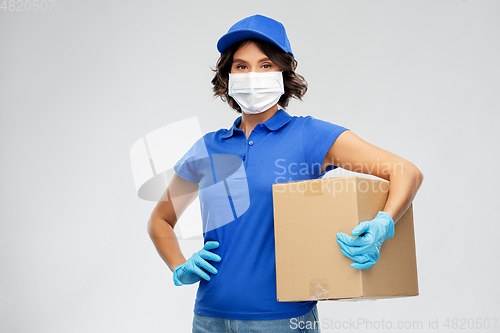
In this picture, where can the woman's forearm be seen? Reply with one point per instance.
(404, 184)
(165, 241)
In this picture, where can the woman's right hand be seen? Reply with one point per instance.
(190, 272)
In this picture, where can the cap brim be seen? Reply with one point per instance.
(235, 36)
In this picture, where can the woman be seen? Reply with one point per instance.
(232, 170)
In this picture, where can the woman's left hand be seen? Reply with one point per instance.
(364, 250)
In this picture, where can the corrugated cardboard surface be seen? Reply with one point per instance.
(309, 264)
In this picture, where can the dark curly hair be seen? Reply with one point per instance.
(295, 84)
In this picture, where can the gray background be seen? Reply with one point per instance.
(79, 84)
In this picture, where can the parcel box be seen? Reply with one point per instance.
(309, 265)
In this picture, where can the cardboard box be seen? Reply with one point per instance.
(309, 264)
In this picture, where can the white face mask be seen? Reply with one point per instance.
(256, 92)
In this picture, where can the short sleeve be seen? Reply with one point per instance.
(318, 136)
(188, 167)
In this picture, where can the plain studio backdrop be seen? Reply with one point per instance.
(81, 81)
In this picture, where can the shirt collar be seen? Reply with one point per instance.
(278, 120)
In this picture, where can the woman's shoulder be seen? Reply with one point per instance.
(304, 117)
(312, 124)
(216, 136)
(309, 119)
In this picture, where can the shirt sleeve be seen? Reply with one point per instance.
(188, 167)
(318, 136)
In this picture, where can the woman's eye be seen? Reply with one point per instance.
(244, 67)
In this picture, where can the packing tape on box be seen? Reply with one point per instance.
(318, 288)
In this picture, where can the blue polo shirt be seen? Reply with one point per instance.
(235, 177)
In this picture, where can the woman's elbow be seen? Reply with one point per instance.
(418, 176)
(409, 171)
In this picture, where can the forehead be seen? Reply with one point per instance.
(248, 50)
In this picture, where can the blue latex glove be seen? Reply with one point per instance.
(190, 271)
(365, 249)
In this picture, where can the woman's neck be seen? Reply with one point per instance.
(249, 121)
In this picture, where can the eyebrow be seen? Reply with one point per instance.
(243, 61)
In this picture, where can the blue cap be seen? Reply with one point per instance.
(259, 27)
